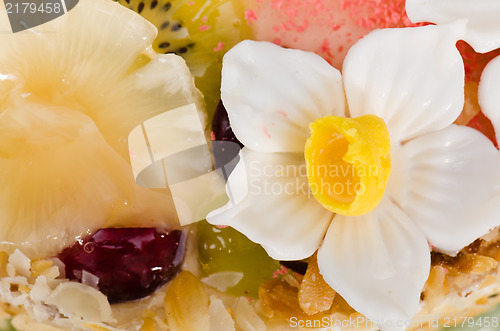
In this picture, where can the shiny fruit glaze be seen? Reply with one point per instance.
(225, 145)
(221, 128)
(128, 263)
(225, 249)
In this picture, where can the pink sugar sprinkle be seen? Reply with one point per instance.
(191, 3)
(335, 26)
(325, 46)
(204, 19)
(277, 41)
(221, 226)
(291, 12)
(212, 136)
(325, 49)
(267, 133)
(250, 16)
(132, 154)
(282, 113)
(204, 27)
(278, 4)
(220, 47)
(378, 13)
(281, 271)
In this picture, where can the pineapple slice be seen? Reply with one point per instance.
(70, 92)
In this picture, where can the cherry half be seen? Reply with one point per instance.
(225, 145)
(129, 263)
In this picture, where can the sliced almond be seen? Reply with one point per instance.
(220, 319)
(76, 299)
(21, 263)
(246, 317)
(186, 304)
(40, 267)
(223, 280)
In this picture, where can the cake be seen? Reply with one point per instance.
(353, 183)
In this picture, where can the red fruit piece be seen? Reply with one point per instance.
(130, 263)
(221, 128)
(483, 124)
(225, 145)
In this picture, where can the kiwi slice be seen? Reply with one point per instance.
(200, 31)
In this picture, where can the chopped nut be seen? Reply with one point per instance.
(436, 285)
(223, 280)
(220, 319)
(282, 298)
(76, 299)
(39, 267)
(263, 309)
(246, 317)
(20, 264)
(465, 263)
(315, 295)
(479, 264)
(186, 304)
(148, 318)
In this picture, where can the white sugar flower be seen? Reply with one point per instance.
(482, 33)
(389, 172)
(483, 26)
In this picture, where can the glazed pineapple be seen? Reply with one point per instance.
(66, 111)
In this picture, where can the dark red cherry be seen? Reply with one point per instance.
(225, 145)
(221, 128)
(129, 263)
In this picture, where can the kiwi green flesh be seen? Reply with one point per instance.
(173, 37)
(179, 32)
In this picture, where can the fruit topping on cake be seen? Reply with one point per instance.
(355, 194)
(403, 90)
(66, 112)
(326, 27)
(125, 263)
(199, 31)
(231, 262)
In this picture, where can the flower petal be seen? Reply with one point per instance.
(377, 262)
(483, 27)
(272, 94)
(271, 204)
(488, 95)
(413, 78)
(447, 182)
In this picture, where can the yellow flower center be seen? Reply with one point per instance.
(348, 163)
